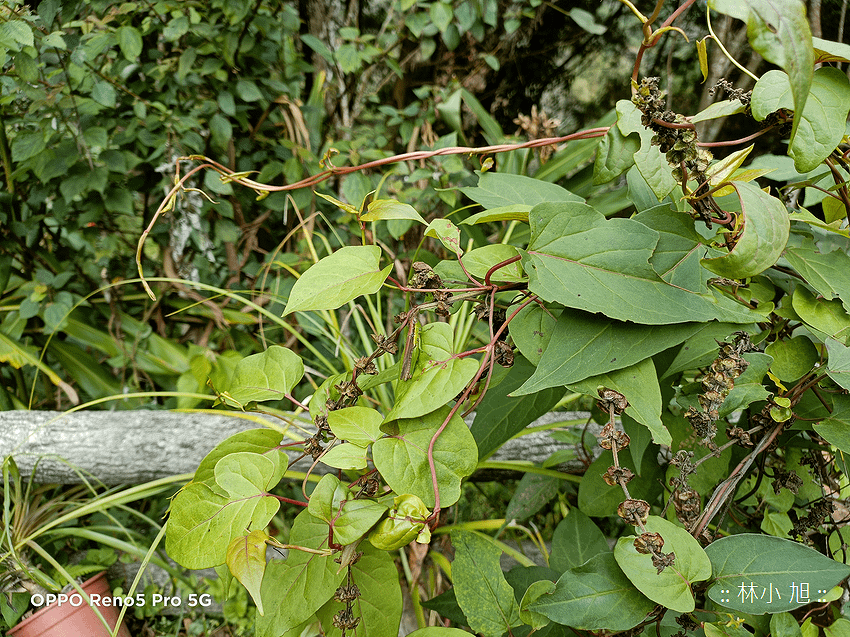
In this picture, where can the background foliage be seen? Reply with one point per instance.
(580, 271)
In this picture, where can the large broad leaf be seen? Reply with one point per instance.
(828, 273)
(531, 329)
(437, 376)
(482, 591)
(349, 518)
(585, 345)
(821, 123)
(756, 574)
(532, 493)
(779, 31)
(792, 358)
(379, 606)
(500, 415)
(594, 596)
(269, 375)
(295, 588)
(639, 384)
(677, 254)
(582, 260)
(340, 277)
(765, 233)
(205, 519)
(402, 458)
(496, 190)
(673, 586)
(575, 541)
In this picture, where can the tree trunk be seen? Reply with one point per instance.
(132, 447)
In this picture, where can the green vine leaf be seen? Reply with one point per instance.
(531, 330)
(498, 190)
(359, 425)
(836, 428)
(480, 260)
(821, 121)
(501, 415)
(338, 278)
(649, 160)
(532, 594)
(205, 518)
(764, 236)
(437, 376)
(615, 155)
(346, 456)
(402, 458)
(826, 317)
(268, 375)
(673, 586)
(246, 559)
(385, 209)
(756, 574)
(779, 31)
(828, 273)
(792, 358)
(295, 588)
(594, 596)
(262, 441)
(380, 603)
(580, 259)
(639, 384)
(447, 233)
(575, 541)
(482, 591)
(838, 364)
(349, 518)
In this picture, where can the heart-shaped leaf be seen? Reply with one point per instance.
(402, 458)
(673, 586)
(338, 278)
(268, 375)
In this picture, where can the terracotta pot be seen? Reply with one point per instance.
(74, 616)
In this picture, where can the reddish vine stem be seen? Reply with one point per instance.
(484, 362)
(499, 266)
(734, 142)
(288, 500)
(661, 122)
(326, 174)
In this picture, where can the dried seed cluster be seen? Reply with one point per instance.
(718, 382)
(686, 501)
(678, 144)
